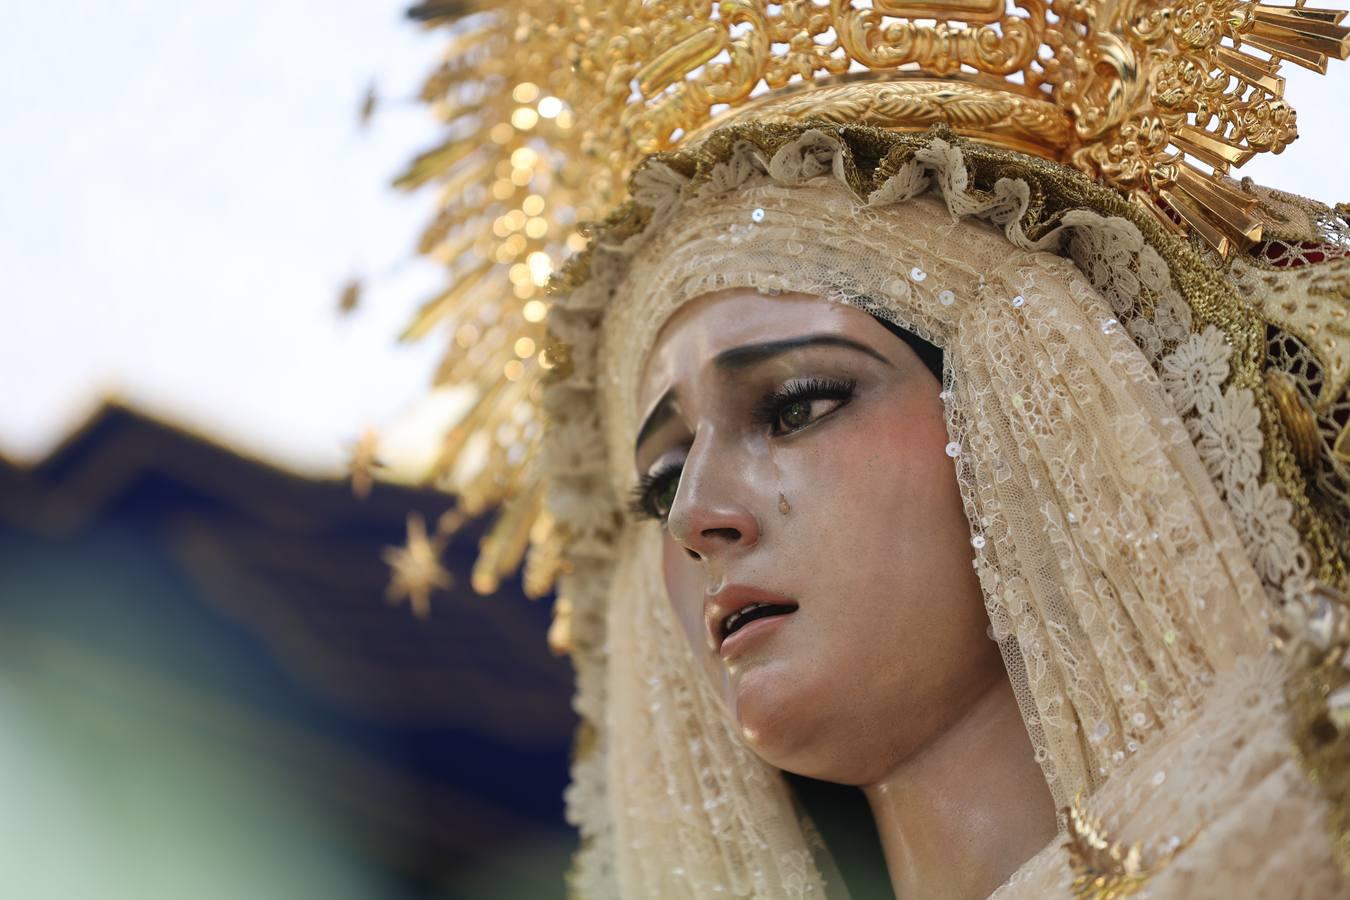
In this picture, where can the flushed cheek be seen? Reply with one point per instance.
(877, 529)
(874, 479)
(879, 554)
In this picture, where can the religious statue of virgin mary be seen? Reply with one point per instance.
(923, 408)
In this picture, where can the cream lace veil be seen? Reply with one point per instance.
(1108, 445)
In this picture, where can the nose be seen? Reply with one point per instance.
(712, 515)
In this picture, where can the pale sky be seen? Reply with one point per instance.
(184, 190)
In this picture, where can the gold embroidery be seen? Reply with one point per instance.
(1296, 417)
(1315, 632)
(1104, 869)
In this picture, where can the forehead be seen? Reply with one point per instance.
(704, 327)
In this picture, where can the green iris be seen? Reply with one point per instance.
(794, 415)
(664, 498)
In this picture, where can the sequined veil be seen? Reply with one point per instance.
(1112, 478)
(1145, 389)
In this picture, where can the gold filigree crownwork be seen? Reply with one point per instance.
(550, 106)
(1153, 90)
(1017, 121)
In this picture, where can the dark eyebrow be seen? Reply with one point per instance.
(743, 357)
(749, 354)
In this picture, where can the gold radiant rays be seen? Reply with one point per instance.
(548, 106)
(1300, 34)
(1235, 111)
(1219, 213)
(511, 188)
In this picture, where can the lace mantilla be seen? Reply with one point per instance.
(1217, 806)
(1128, 481)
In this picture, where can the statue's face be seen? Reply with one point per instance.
(798, 454)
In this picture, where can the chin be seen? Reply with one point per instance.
(804, 723)
(789, 721)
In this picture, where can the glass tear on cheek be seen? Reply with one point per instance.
(783, 506)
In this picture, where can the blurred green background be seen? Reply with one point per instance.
(202, 693)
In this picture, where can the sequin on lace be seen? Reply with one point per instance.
(1079, 601)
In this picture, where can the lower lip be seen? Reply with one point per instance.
(747, 636)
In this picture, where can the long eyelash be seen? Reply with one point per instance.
(642, 503)
(767, 410)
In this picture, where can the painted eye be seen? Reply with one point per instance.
(654, 494)
(794, 415)
(663, 498)
(799, 404)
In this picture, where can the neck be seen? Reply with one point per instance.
(957, 819)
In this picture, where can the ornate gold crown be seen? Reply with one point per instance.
(549, 105)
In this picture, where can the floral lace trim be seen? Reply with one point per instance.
(1220, 797)
(1217, 409)
(1225, 424)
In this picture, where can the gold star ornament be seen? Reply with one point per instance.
(417, 568)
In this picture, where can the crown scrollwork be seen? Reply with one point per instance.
(1163, 99)
(549, 105)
